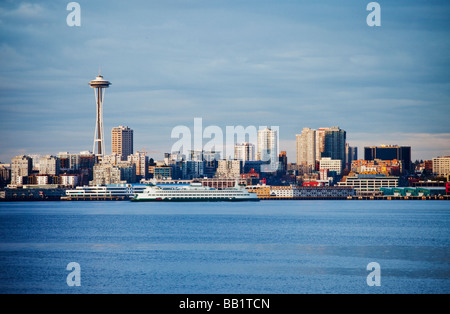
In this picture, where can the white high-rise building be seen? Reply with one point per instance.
(306, 147)
(267, 149)
(244, 152)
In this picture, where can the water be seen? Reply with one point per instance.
(280, 247)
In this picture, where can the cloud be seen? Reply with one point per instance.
(293, 64)
(24, 11)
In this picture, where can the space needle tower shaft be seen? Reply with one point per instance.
(99, 84)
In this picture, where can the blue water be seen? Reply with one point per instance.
(280, 247)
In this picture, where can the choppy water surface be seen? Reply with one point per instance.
(266, 247)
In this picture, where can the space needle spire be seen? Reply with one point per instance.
(99, 84)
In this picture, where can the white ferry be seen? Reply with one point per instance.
(194, 192)
(106, 191)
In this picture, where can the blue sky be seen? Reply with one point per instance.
(291, 64)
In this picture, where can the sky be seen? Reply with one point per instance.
(286, 63)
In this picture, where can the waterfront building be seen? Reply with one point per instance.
(369, 183)
(222, 183)
(441, 166)
(292, 192)
(390, 152)
(122, 141)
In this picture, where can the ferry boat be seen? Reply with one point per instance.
(193, 192)
(110, 191)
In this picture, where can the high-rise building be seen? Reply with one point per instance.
(244, 152)
(326, 163)
(267, 149)
(122, 141)
(140, 160)
(441, 166)
(49, 165)
(306, 147)
(282, 162)
(351, 154)
(313, 145)
(105, 173)
(330, 142)
(5, 174)
(390, 152)
(229, 169)
(21, 167)
(192, 169)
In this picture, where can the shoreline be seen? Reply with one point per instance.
(271, 198)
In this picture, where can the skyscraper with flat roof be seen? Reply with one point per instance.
(306, 147)
(267, 149)
(313, 145)
(21, 167)
(390, 152)
(122, 141)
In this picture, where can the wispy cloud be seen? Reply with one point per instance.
(293, 64)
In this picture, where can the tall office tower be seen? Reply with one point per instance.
(122, 141)
(351, 154)
(330, 142)
(306, 147)
(283, 162)
(21, 166)
(313, 145)
(99, 84)
(244, 152)
(49, 165)
(267, 149)
(390, 152)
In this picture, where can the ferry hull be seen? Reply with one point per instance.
(195, 200)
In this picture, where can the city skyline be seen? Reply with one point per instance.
(295, 65)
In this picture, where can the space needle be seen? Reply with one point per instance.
(99, 142)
